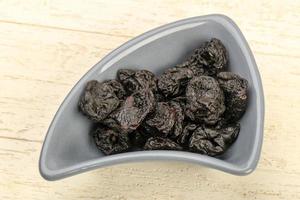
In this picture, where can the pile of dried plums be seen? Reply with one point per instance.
(193, 106)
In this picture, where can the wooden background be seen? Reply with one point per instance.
(47, 45)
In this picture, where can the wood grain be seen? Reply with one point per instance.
(46, 46)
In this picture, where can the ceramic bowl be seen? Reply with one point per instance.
(69, 149)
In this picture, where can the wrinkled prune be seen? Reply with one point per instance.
(162, 120)
(159, 143)
(110, 141)
(179, 118)
(205, 100)
(117, 88)
(194, 69)
(174, 80)
(134, 80)
(212, 142)
(100, 99)
(192, 106)
(211, 56)
(182, 101)
(165, 121)
(188, 130)
(235, 91)
(132, 112)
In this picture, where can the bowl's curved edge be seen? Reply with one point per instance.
(255, 155)
(51, 175)
(158, 155)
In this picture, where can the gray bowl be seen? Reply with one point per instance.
(68, 148)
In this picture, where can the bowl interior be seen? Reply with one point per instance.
(70, 142)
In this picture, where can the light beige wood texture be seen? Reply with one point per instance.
(46, 46)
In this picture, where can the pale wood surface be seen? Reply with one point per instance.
(46, 46)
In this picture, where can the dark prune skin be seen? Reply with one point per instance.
(117, 88)
(173, 81)
(181, 100)
(132, 112)
(205, 100)
(100, 99)
(188, 130)
(179, 118)
(197, 70)
(134, 80)
(161, 121)
(235, 91)
(110, 141)
(212, 56)
(211, 141)
(159, 143)
(165, 121)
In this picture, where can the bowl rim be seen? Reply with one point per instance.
(244, 169)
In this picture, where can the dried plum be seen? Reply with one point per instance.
(132, 112)
(192, 106)
(179, 118)
(165, 121)
(182, 101)
(194, 69)
(205, 100)
(211, 141)
(235, 91)
(134, 80)
(188, 130)
(162, 120)
(212, 56)
(100, 99)
(159, 143)
(117, 88)
(110, 141)
(174, 80)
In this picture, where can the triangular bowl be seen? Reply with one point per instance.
(68, 148)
